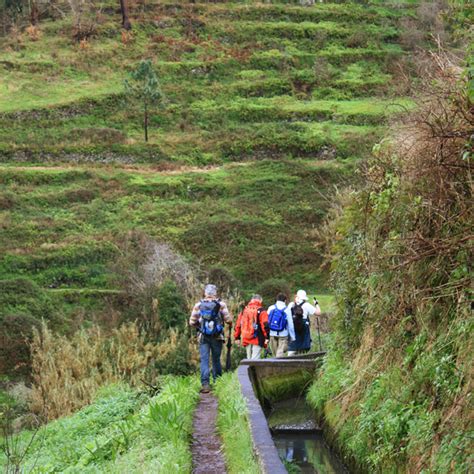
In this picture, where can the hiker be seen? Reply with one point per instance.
(209, 316)
(301, 311)
(281, 327)
(252, 327)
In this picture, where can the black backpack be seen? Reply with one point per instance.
(298, 320)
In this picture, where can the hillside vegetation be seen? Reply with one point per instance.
(396, 388)
(259, 168)
(268, 108)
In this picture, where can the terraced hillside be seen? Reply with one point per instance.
(241, 80)
(269, 106)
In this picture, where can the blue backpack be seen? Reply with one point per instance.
(211, 321)
(277, 319)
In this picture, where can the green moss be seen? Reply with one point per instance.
(290, 412)
(280, 387)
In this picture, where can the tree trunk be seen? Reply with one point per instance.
(125, 20)
(34, 13)
(146, 123)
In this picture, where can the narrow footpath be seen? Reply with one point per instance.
(207, 446)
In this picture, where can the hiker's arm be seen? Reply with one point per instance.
(226, 316)
(194, 319)
(291, 326)
(315, 310)
(237, 329)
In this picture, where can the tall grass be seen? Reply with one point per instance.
(68, 372)
(121, 431)
(233, 425)
(163, 431)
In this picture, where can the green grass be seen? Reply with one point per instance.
(120, 432)
(60, 224)
(57, 98)
(279, 101)
(27, 92)
(233, 425)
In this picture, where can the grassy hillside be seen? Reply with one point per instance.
(240, 79)
(269, 107)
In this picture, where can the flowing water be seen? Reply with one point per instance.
(308, 452)
(299, 441)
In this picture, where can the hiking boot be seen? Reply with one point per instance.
(205, 389)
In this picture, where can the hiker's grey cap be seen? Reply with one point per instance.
(210, 290)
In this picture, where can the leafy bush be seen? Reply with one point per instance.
(172, 306)
(270, 288)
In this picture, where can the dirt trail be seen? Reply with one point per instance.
(142, 169)
(206, 446)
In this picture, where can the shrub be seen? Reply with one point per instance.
(177, 354)
(68, 372)
(172, 307)
(270, 288)
(15, 332)
(22, 305)
(154, 278)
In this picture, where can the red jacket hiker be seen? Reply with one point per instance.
(252, 324)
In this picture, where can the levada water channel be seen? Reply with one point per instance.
(280, 386)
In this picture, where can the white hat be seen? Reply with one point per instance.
(301, 295)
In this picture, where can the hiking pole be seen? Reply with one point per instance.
(315, 301)
(228, 360)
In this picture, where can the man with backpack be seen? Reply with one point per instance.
(301, 311)
(209, 317)
(281, 327)
(252, 327)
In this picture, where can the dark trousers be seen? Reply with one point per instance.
(210, 346)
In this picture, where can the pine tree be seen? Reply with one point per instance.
(143, 86)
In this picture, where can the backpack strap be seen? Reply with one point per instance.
(260, 333)
(217, 308)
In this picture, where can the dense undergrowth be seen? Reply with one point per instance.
(121, 431)
(396, 387)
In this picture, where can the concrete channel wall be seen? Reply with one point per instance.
(265, 450)
(264, 447)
